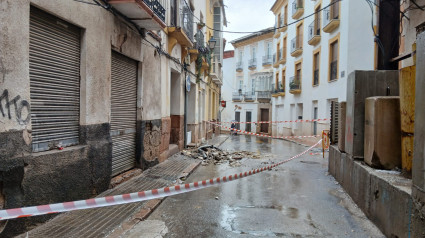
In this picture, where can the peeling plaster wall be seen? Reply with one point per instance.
(82, 171)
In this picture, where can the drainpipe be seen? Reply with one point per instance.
(185, 106)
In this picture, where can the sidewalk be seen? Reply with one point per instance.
(116, 220)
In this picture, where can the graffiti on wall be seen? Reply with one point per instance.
(21, 108)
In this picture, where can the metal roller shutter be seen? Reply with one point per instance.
(54, 58)
(123, 113)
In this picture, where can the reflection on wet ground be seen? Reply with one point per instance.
(292, 200)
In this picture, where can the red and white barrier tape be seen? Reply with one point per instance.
(272, 122)
(262, 135)
(132, 197)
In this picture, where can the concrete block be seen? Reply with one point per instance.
(341, 125)
(338, 173)
(347, 177)
(382, 142)
(361, 85)
(390, 208)
(360, 186)
(343, 157)
(331, 163)
(418, 169)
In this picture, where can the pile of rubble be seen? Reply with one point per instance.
(213, 155)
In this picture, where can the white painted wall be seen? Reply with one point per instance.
(232, 78)
(355, 53)
(227, 88)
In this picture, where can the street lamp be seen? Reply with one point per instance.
(211, 43)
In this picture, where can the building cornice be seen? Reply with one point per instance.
(252, 40)
(277, 6)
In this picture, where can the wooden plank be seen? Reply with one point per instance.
(407, 110)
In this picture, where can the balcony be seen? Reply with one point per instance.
(333, 70)
(331, 18)
(249, 96)
(280, 90)
(239, 66)
(252, 64)
(275, 61)
(316, 77)
(182, 32)
(295, 85)
(282, 25)
(282, 55)
(264, 95)
(148, 14)
(274, 91)
(267, 60)
(296, 46)
(314, 32)
(297, 9)
(237, 96)
(216, 72)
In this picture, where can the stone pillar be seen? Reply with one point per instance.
(418, 169)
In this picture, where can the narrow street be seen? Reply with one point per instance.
(298, 199)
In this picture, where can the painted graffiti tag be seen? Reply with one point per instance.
(19, 105)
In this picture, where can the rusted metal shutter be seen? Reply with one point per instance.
(54, 58)
(334, 122)
(123, 113)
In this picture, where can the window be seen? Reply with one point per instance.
(317, 20)
(252, 86)
(333, 59)
(282, 83)
(298, 71)
(240, 55)
(285, 15)
(335, 9)
(276, 81)
(254, 53)
(279, 17)
(278, 52)
(217, 34)
(284, 47)
(316, 67)
(299, 42)
(269, 49)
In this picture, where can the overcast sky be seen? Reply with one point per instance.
(247, 15)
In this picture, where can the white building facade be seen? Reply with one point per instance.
(313, 58)
(249, 80)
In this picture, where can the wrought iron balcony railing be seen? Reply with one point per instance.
(314, 29)
(334, 70)
(236, 96)
(252, 63)
(295, 83)
(316, 77)
(249, 96)
(296, 44)
(187, 19)
(331, 13)
(296, 4)
(239, 66)
(267, 59)
(264, 95)
(157, 8)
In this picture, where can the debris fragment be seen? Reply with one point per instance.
(213, 155)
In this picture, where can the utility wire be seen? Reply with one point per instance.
(262, 31)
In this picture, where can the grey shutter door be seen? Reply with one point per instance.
(54, 58)
(123, 113)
